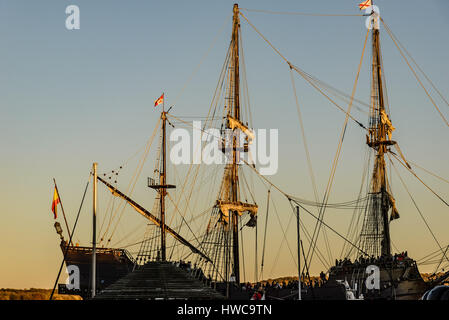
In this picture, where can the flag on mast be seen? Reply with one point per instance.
(365, 5)
(55, 203)
(159, 100)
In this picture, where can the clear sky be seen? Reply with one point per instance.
(68, 98)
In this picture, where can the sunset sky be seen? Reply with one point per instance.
(69, 98)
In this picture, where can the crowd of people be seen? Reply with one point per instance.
(383, 260)
(194, 271)
(260, 290)
(283, 289)
(254, 291)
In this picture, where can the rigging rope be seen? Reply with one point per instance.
(201, 61)
(284, 238)
(185, 222)
(353, 226)
(330, 228)
(265, 233)
(414, 72)
(303, 13)
(301, 72)
(412, 172)
(420, 69)
(132, 185)
(299, 204)
(416, 206)
(309, 162)
(429, 172)
(311, 250)
(70, 240)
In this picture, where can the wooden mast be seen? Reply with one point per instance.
(379, 140)
(162, 189)
(162, 186)
(235, 176)
(386, 245)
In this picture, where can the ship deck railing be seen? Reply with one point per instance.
(114, 251)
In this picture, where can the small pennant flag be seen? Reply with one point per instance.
(55, 203)
(365, 5)
(159, 100)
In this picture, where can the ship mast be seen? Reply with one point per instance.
(163, 186)
(226, 216)
(376, 230)
(163, 191)
(383, 142)
(235, 176)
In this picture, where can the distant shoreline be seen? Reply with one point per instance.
(33, 294)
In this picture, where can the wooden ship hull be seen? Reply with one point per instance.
(399, 281)
(112, 264)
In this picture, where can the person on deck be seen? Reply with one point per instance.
(258, 295)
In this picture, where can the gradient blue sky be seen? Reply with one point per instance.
(68, 98)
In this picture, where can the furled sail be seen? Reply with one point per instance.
(394, 211)
(234, 123)
(387, 122)
(226, 207)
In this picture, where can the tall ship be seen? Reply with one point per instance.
(376, 271)
(199, 223)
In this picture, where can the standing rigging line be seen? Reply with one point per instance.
(70, 240)
(290, 198)
(336, 158)
(412, 172)
(429, 172)
(131, 185)
(201, 61)
(309, 162)
(417, 208)
(311, 80)
(352, 228)
(63, 212)
(303, 13)
(266, 40)
(284, 239)
(126, 236)
(306, 148)
(420, 69)
(243, 251)
(329, 227)
(185, 222)
(304, 230)
(303, 74)
(441, 260)
(414, 72)
(430, 256)
(320, 255)
(265, 233)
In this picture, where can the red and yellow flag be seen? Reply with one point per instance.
(55, 203)
(159, 100)
(365, 5)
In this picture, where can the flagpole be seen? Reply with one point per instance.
(63, 213)
(66, 247)
(94, 226)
